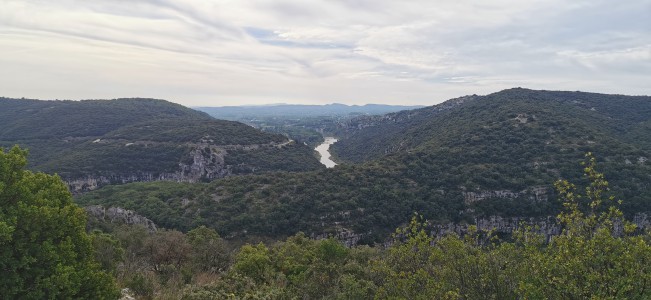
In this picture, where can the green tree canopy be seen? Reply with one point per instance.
(45, 252)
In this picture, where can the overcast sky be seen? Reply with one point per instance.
(231, 52)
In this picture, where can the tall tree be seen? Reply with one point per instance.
(45, 252)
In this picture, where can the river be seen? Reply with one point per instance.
(325, 155)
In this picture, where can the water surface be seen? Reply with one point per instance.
(325, 155)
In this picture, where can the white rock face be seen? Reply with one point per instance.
(126, 294)
(120, 216)
(205, 162)
(535, 193)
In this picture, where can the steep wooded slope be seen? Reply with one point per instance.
(97, 142)
(570, 119)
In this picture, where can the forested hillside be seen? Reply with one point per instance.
(97, 142)
(516, 120)
(147, 262)
(464, 160)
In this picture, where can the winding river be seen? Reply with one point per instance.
(325, 155)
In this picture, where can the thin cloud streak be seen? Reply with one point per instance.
(223, 52)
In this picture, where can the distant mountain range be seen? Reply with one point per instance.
(97, 142)
(294, 110)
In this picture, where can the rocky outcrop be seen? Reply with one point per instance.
(126, 294)
(89, 183)
(205, 161)
(548, 227)
(642, 221)
(535, 193)
(118, 215)
(347, 237)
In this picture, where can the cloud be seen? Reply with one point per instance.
(219, 52)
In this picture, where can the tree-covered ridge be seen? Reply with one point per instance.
(214, 132)
(568, 120)
(159, 146)
(368, 200)
(36, 119)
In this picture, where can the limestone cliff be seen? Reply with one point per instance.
(204, 161)
(535, 193)
(118, 215)
(546, 226)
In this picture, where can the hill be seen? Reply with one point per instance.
(243, 113)
(567, 120)
(97, 142)
(476, 159)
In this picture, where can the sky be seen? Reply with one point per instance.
(245, 52)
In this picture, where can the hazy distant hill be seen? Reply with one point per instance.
(97, 142)
(467, 160)
(238, 113)
(303, 123)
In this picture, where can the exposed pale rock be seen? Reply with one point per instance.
(535, 193)
(120, 216)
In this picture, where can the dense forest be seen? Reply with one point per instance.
(200, 264)
(460, 161)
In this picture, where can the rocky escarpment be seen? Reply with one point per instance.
(547, 227)
(118, 215)
(347, 237)
(535, 193)
(204, 162)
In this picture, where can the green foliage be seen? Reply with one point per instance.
(135, 139)
(447, 152)
(595, 257)
(209, 252)
(253, 262)
(215, 132)
(108, 251)
(293, 157)
(296, 268)
(34, 119)
(44, 249)
(141, 284)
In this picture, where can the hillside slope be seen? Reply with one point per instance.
(97, 142)
(469, 160)
(565, 119)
